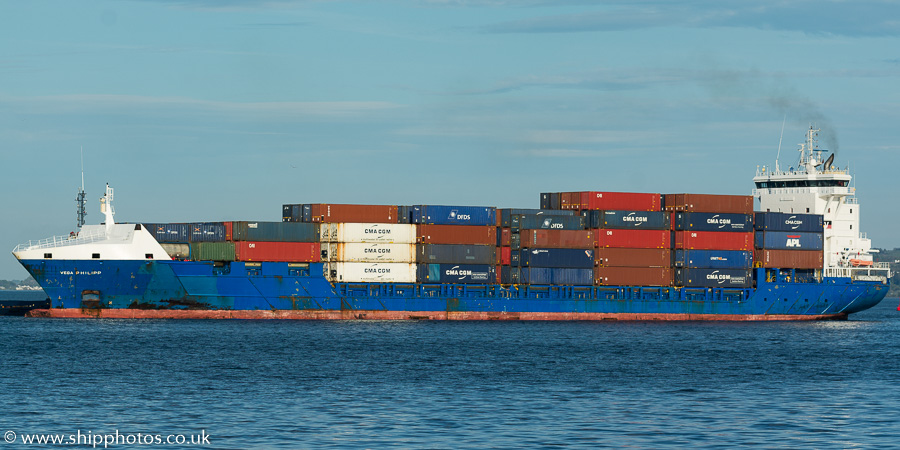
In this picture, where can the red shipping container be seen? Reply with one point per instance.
(335, 213)
(632, 238)
(628, 201)
(229, 230)
(731, 204)
(712, 240)
(557, 238)
(505, 256)
(633, 276)
(456, 234)
(277, 251)
(570, 200)
(789, 259)
(498, 275)
(505, 237)
(633, 257)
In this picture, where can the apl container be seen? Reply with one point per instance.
(169, 232)
(386, 233)
(633, 257)
(554, 257)
(789, 240)
(789, 259)
(633, 276)
(368, 252)
(699, 221)
(212, 251)
(718, 278)
(456, 273)
(275, 231)
(712, 240)
(557, 238)
(713, 259)
(646, 220)
(332, 213)
(632, 238)
(277, 251)
(455, 254)
(356, 272)
(735, 204)
(454, 215)
(456, 234)
(802, 223)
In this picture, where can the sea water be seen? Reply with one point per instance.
(423, 384)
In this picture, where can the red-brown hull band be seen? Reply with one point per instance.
(72, 313)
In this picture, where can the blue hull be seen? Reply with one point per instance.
(202, 286)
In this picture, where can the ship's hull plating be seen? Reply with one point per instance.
(177, 289)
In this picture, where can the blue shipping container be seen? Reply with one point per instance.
(275, 231)
(648, 220)
(456, 273)
(542, 222)
(208, 232)
(701, 221)
(170, 232)
(554, 257)
(550, 200)
(712, 259)
(404, 214)
(507, 213)
(556, 276)
(455, 254)
(723, 278)
(788, 240)
(454, 215)
(776, 221)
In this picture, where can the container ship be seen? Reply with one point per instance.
(587, 255)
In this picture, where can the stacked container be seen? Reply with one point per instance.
(549, 247)
(632, 245)
(368, 252)
(455, 244)
(789, 241)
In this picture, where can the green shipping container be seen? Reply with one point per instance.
(212, 251)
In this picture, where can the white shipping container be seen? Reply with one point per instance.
(357, 272)
(177, 251)
(387, 233)
(368, 252)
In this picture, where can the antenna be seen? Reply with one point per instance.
(80, 200)
(779, 143)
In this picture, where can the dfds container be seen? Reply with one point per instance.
(555, 276)
(454, 215)
(647, 220)
(801, 223)
(277, 251)
(356, 272)
(275, 231)
(712, 240)
(713, 259)
(735, 204)
(456, 273)
(554, 257)
(180, 251)
(633, 257)
(169, 232)
(614, 201)
(789, 240)
(698, 221)
(632, 238)
(456, 234)
(633, 276)
(331, 213)
(557, 238)
(789, 259)
(213, 251)
(208, 232)
(518, 222)
(368, 252)
(455, 254)
(386, 233)
(713, 278)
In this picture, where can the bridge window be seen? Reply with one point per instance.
(95, 255)
(48, 255)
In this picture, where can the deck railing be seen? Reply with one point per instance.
(63, 241)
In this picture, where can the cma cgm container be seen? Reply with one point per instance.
(169, 232)
(647, 220)
(633, 257)
(707, 278)
(555, 276)
(788, 240)
(713, 259)
(712, 240)
(776, 221)
(554, 257)
(700, 221)
(544, 222)
(632, 238)
(358, 272)
(557, 238)
(212, 251)
(735, 204)
(454, 215)
(368, 252)
(633, 276)
(616, 201)
(455, 254)
(789, 259)
(277, 251)
(387, 233)
(274, 231)
(456, 273)
(456, 234)
(329, 213)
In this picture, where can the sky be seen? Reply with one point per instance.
(205, 110)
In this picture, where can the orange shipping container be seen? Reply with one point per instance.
(633, 276)
(732, 204)
(334, 213)
(633, 257)
(556, 238)
(789, 259)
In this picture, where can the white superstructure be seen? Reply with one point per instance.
(815, 186)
